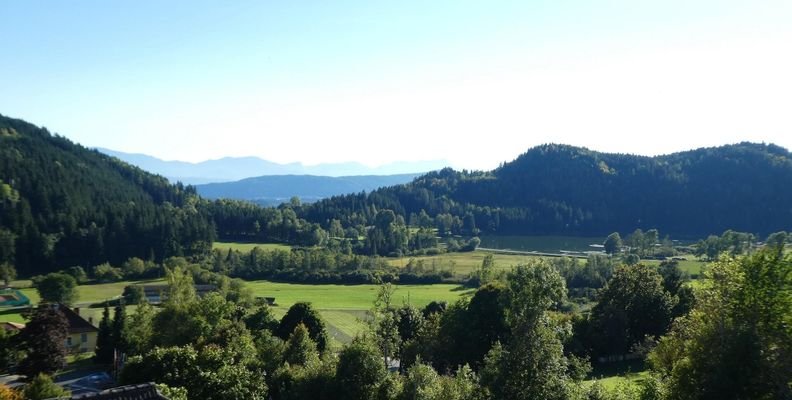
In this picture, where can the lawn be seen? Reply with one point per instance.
(246, 247)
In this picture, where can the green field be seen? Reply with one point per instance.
(245, 247)
(464, 263)
(88, 294)
(344, 307)
(690, 265)
(353, 297)
(543, 244)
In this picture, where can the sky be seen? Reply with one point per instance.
(475, 83)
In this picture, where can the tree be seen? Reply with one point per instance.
(9, 353)
(134, 294)
(133, 268)
(6, 393)
(42, 387)
(140, 329)
(209, 373)
(736, 343)
(360, 370)
(44, 341)
(532, 364)
(632, 305)
(300, 349)
(78, 273)
(613, 243)
(261, 319)
(303, 313)
(777, 239)
(486, 318)
(181, 289)
(104, 339)
(422, 383)
(57, 288)
(385, 324)
(107, 273)
(7, 273)
(119, 328)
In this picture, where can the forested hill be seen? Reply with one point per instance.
(559, 189)
(63, 205)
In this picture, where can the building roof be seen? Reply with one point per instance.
(11, 326)
(76, 323)
(143, 391)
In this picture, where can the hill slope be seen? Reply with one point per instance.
(278, 188)
(558, 189)
(63, 205)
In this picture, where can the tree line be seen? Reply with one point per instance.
(511, 339)
(565, 190)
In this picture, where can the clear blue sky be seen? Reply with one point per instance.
(475, 83)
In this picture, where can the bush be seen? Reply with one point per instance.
(42, 387)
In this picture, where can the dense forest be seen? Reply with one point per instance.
(62, 205)
(565, 190)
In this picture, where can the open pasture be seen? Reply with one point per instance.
(245, 247)
(463, 263)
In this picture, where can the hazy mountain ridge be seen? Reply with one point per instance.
(229, 169)
(274, 188)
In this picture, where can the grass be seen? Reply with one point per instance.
(463, 263)
(545, 244)
(615, 374)
(88, 294)
(690, 265)
(353, 297)
(246, 247)
(345, 307)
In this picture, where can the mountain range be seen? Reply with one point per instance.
(275, 189)
(230, 169)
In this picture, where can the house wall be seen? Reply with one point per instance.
(77, 345)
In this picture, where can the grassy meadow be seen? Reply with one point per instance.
(464, 263)
(246, 247)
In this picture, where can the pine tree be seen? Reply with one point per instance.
(104, 340)
(119, 327)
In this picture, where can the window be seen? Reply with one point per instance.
(84, 338)
(68, 341)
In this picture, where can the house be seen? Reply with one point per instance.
(82, 333)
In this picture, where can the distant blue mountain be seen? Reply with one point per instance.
(230, 169)
(276, 189)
